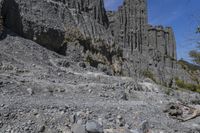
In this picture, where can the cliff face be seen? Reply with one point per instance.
(122, 40)
(130, 27)
(146, 48)
(46, 21)
(94, 7)
(162, 39)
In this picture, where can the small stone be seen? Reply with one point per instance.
(134, 131)
(30, 91)
(62, 90)
(122, 95)
(26, 128)
(119, 117)
(72, 118)
(1, 124)
(94, 127)
(65, 64)
(41, 129)
(90, 90)
(145, 127)
(118, 130)
(59, 74)
(2, 105)
(80, 121)
(35, 112)
(82, 64)
(6, 115)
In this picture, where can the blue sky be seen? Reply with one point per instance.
(182, 15)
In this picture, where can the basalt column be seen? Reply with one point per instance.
(132, 17)
(94, 7)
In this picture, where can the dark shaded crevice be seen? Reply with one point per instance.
(12, 19)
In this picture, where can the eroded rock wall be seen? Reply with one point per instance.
(122, 40)
(131, 20)
(146, 48)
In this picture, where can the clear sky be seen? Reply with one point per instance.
(182, 15)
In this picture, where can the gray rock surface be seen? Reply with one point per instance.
(77, 128)
(96, 69)
(89, 95)
(94, 127)
(123, 40)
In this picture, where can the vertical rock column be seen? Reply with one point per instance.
(94, 7)
(171, 43)
(132, 17)
(161, 40)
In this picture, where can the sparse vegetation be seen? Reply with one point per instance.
(149, 74)
(195, 54)
(188, 66)
(72, 34)
(188, 86)
(193, 70)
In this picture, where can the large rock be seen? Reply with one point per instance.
(94, 127)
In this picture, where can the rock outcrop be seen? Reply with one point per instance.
(46, 21)
(147, 49)
(121, 41)
(163, 40)
(94, 7)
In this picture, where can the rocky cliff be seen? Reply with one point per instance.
(122, 42)
(147, 49)
(68, 66)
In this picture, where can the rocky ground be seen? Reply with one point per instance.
(42, 91)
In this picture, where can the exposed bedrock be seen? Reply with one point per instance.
(122, 40)
(46, 21)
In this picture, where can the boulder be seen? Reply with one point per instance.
(94, 127)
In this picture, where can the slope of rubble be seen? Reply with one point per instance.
(42, 91)
(68, 66)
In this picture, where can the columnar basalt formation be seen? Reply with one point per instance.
(131, 21)
(46, 21)
(162, 39)
(141, 47)
(145, 47)
(94, 7)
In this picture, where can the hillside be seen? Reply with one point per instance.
(68, 66)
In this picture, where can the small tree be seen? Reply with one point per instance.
(195, 54)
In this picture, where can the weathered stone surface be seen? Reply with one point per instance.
(122, 41)
(94, 127)
(94, 7)
(46, 21)
(130, 28)
(162, 39)
(77, 128)
(145, 47)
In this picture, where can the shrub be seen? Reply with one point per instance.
(148, 74)
(72, 34)
(187, 86)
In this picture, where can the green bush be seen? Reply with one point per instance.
(187, 86)
(148, 74)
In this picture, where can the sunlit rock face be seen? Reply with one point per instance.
(144, 47)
